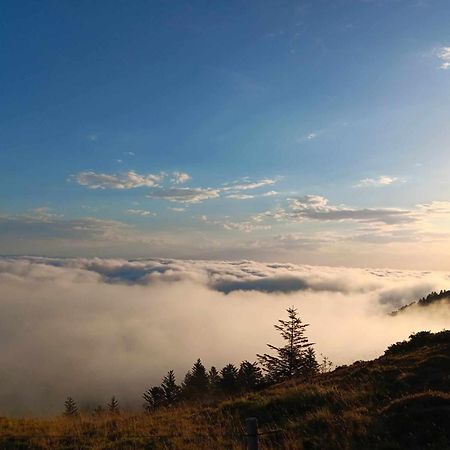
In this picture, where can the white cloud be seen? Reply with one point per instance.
(247, 184)
(178, 209)
(180, 177)
(126, 180)
(443, 54)
(382, 180)
(317, 208)
(269, 194)
(185, 195)
(140, 212)
(240, 196)
(53, 310)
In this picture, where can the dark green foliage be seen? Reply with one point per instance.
(196, 382)
(442, 297)
(170, 388)
(310, 364)
(214, 381)
(417, 340)
(113, 405)
(154, 398)
(70, 407)
(289, 361)
(250, 376)
(229, 379)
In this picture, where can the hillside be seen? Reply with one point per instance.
(441, 298)
(400, 400)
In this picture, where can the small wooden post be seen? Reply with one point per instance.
(251, 426)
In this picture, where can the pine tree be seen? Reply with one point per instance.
(170, 388)
(229, 379)
(154, 398)
(196, 382)
(214, 381)
(113, 405)
(249, 376)
(310, 365)
(70, 407)
(289, 360)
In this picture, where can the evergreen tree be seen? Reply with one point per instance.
(170, 388)
(289, 360)
(214, 381)
(70, 407)
(249, 376)
(310, 365)
(154, 398)
(229, 379)
(196, 382)
(113, 405)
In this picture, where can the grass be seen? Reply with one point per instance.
(400, 400)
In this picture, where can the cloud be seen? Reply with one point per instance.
(126, 180)
(247, 184)
(382, 180)
(185, 195)
(114, 327)
(317, 208)
(240, 196)
(180, 177)
(140, 212)
(443, 53)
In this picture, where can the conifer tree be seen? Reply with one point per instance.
(289, 359)
(70, 407)
(113, 405)
(229, 379)
(196, 382)
(170, 388)
(249, 376)
(310, 365)
(214, 380)
(154, 398)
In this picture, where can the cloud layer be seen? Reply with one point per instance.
(112, 326)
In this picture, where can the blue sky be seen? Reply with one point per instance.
(312, 132)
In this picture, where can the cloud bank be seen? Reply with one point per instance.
(92, 328)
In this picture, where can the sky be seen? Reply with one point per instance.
(310, 132)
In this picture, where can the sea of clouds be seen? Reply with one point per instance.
(93, 328)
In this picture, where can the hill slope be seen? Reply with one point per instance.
(400, 400)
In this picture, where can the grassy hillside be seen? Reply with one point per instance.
(400, 400)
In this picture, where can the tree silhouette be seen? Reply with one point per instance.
(229, 379)
(154, 398)
(249, 376)
(289, 361)
(70, 407)
(170, 388)
(196, 382)
(214, 381)
(113, 405)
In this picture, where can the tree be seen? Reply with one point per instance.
(154, 398)
(113, 405)
(289, 360)
(70, 407)
(170, 388)
(214, 380)
(229, 379)
(250, 376)
(196, 382)
(310, 365)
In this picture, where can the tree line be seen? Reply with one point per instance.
(295, 359)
